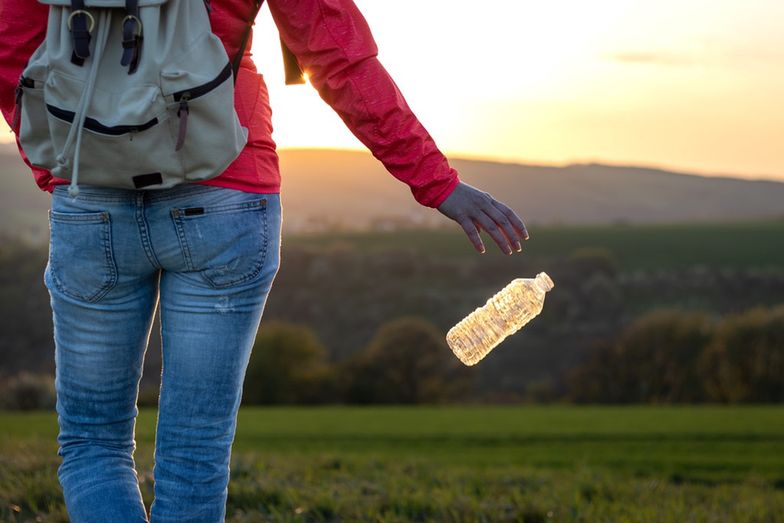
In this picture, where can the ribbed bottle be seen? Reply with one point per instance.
(503, 315)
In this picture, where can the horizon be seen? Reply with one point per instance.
(461, 156)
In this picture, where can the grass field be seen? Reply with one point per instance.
(659, 247)
(460, 464)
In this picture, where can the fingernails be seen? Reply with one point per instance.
(518, 247)
(482, 250)
(526, 235)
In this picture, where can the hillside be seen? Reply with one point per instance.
(330, 190)
(354, 187)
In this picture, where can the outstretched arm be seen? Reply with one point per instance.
(334, 45)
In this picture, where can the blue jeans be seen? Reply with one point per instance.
(210, 255)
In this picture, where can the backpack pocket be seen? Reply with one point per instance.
(125, 134)
(31, 122)
(203, 123)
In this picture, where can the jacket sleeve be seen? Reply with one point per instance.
(334, 46)
(22, 29)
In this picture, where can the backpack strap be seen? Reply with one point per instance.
(294, 73)
(235, 66)
(81, 24)
(132, 36)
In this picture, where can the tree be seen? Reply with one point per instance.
(407, 361)
(288, 365)
(745, 362)
(655, 360)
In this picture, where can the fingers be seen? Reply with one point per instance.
(475, 210)
(495, 232)
(512, 235)
(513, 218)
(473, 234)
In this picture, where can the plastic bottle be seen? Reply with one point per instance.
(503, 315)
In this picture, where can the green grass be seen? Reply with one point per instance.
(659, 247)
(460, 464)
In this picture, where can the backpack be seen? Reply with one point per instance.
(132, 94)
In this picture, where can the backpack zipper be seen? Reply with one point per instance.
(94, 125)
(182, 114)
(23, 82)
(201, 90)
(186, 95)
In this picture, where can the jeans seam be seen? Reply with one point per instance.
(144, 232)
(186, 253)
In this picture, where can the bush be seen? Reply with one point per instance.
(745, 362)
(27, 391)
(407, 361)
(288, 365)
(655, 360)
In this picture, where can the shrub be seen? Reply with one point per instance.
(288, 365)
(26, 391)
(655, 360)
(745, 362)
(407, 361)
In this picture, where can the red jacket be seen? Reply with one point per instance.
(332, 43)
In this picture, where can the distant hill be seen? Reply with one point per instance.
(354, 187)
(325, 189)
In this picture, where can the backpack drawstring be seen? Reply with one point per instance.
(77, 126)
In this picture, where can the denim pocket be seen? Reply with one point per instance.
(226, 243)
(81, 257)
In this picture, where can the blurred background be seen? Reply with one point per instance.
(647, 163)
(642, 144)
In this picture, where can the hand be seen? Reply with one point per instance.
(474, 209)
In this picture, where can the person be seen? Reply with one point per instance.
(206, 253)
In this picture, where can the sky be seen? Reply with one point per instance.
(694, 85)
(691, 85)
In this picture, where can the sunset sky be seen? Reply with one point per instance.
(693, 85)
(686, 84)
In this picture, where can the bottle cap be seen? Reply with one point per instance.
(544, 281)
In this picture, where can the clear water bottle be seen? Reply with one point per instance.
(503, 315)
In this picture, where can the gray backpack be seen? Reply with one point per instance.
(134, 94)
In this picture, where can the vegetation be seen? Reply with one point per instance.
(745, 362)
(340, 292)
(634, 247)
(287, 365)
(27, 391)
(394, 463)
(408, 362)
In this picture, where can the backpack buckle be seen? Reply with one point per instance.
(80, 24)
(82, 12)
(134, 30)
(132, 41)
